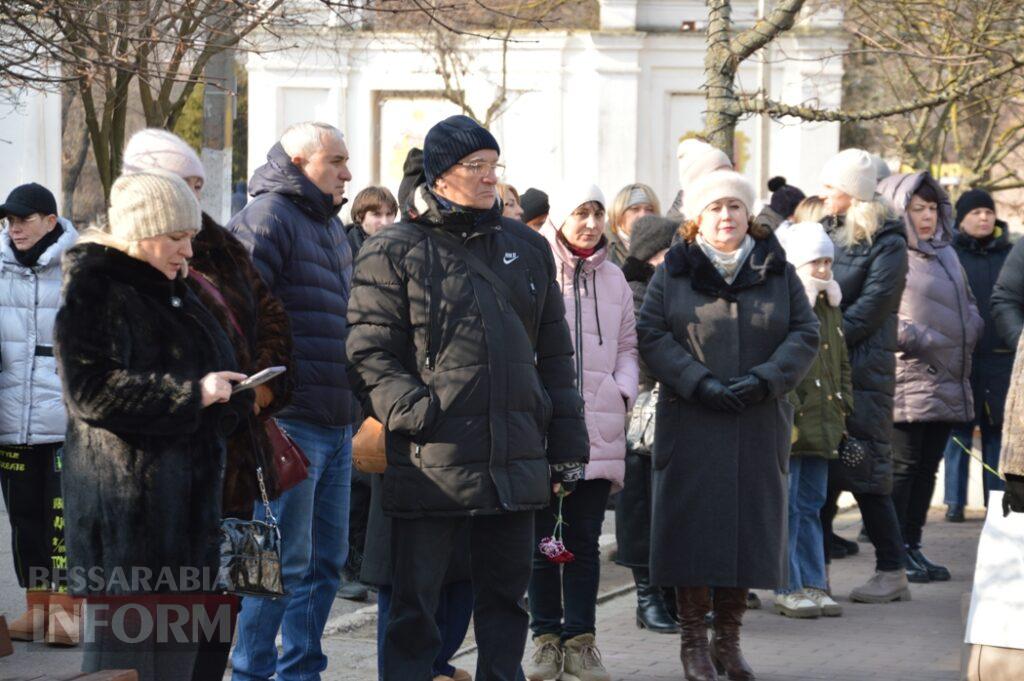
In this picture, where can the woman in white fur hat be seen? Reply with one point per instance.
(727, 331)
(871, 268)
(599, 312)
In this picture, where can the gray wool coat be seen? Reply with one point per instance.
(939, 322)
(720, 479)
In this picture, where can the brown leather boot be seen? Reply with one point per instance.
(31, 626)
(64, 620)
(692, 604)
(730, 604)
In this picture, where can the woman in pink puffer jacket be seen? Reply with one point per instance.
(599, 311)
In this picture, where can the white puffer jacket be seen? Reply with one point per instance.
(31, 404)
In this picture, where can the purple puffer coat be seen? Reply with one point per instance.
(939, 322)
(599, 310)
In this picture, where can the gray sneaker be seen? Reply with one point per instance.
(883, 587)
(546, 662)
(828, 605)
(583, 660)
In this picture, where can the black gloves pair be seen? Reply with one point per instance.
(1013, 497)
(741, 393)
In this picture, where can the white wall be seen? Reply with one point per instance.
(610, 105)
(30, 142)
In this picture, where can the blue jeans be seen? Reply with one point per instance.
(313, 518)
(957, 462)
(808, 488)
(454, 610)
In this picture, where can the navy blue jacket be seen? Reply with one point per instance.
(993, 357)
(300, 249)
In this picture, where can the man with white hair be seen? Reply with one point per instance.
(300, 249)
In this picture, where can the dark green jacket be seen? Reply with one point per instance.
(824, 398)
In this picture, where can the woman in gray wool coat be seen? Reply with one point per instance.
(727, 330)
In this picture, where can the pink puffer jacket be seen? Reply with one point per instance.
(599, 310)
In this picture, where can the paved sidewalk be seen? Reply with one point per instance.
(915, 641)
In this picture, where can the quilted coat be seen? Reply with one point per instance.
(939, 322)
(31, 401)
(599, 311)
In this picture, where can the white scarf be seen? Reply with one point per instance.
(814, 286)
(727, 264)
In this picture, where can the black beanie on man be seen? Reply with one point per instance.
(969, 200)
(412, 177)
(785, 197)
(534, 203)
(450, 141)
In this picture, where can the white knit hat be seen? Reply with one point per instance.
(852, 171)
(151, 203)
(156, 149)
(570, 196)
(805, 242)
(721, 184)
(698, 158)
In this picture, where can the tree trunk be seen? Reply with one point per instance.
(719, 78)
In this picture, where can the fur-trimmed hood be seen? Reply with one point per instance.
(686, 259)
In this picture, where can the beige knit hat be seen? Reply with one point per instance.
(721, 184)
(152, 203)
(697, 158)
(852, 171)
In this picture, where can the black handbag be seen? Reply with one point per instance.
(855, 466)
(250, 554)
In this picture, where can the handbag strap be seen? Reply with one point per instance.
(501, 289)
(208, 286)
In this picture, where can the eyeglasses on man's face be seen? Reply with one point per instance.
(482, 167)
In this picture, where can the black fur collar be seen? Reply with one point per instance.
(637, 270)
(688, 260)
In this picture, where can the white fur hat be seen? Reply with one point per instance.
(697, 158)
(156, 149)
(805, 242)
(852, 171)
(720, 184)
(570, 196)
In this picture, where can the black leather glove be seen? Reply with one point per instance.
(750, 388)
(714, 394)
(1013, 497)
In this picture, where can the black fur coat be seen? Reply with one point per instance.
(143, 461)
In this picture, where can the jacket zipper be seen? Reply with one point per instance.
(579, 325)
(429, 361)
(33, 341)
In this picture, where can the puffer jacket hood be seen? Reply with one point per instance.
(900, 189)
(280, 176)
(939, 322)
(599, 311)
(477, 395)
(31, 400)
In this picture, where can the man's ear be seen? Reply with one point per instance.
(51, 222)
(298, 161)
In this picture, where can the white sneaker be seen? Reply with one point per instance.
(796, 604)
(829, 608)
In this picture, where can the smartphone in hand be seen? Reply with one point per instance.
(259, 378)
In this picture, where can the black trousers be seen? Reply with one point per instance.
(501, 547)
(30, 478)
(880, 521)
(358, 520)
(917, 450)
(574, 584)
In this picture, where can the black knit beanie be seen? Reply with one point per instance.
(785, 198)
(969, 200)
(650, 235)
(450, 141)
(534, 203)
(412, 178)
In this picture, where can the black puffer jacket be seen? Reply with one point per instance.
(1008, 297)
(300, 249)
(143, 460)
(872, 277)
(993, 358)
(475, 410)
